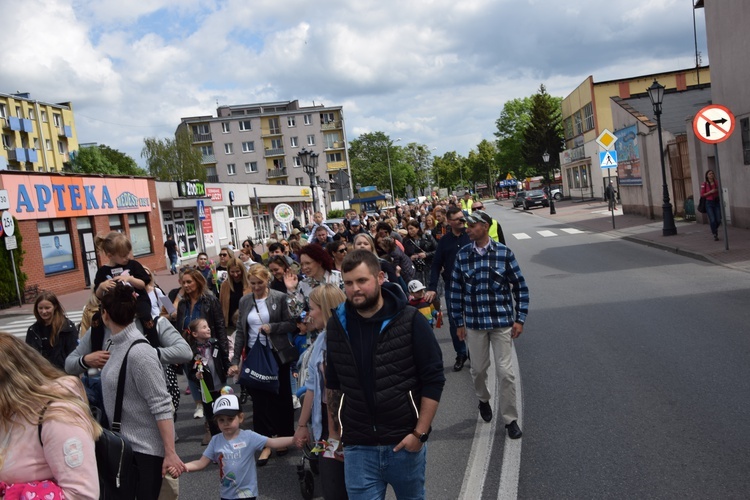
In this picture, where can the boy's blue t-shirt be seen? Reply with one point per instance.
(236, 459)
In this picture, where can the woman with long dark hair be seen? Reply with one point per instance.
(53, 335)
(337, 250)
(420, 248)
(710, 191)
(317, 267)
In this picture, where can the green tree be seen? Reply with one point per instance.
(513, 120)
(8, 292)
(102, 159)
(419, 159)
(369, 156)
(544, 133)
(482, 163)
(174, 159)
(449, 170)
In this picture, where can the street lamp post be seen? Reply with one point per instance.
(390, 173)
(552, 210)
(309, 161)
(656, 94)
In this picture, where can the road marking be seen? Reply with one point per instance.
(546, 234)
(511, 468)
(521, 236)
(572, 230)
(481, 448)
(20, 326)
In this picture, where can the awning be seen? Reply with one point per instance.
(183, 202)
(283, 199)
(368, 199)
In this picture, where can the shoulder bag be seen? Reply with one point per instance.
(259, 368)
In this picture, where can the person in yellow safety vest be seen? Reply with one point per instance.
(496, 231)
(467, 203)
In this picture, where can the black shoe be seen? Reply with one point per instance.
(716, 237)
(460, 361)
(485, 410)
(514, 432)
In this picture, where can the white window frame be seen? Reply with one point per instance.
(245, 125)
(3, 111)
(231, 169)
(308, 119)
(228, 148)
(291, 121)
(57, 119)
(311, 140)
(297, 163)
(294, 142)
(48, 144)
(44, 116)
(60, 147)
(6, 141)
(251, 167)
(225, 127)
(300, 181)
(248, 146)
(32, 115)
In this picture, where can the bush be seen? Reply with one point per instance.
(8, 295)
(336, 214)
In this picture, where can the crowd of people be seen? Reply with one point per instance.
(355, 302)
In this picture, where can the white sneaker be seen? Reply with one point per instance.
(295, 402)
(198, 413)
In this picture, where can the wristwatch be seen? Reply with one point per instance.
(422, 436)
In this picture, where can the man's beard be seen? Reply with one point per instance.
(369, 302)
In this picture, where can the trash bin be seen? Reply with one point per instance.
(689, 208)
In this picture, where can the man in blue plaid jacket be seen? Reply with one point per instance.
(485, 284)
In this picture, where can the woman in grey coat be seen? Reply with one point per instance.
(264, 317)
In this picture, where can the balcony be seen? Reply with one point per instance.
(336, 124)
(266, 132)
(274, 152)
(13, 123)
(335, 166)
(212, 178)
(65, 131)
(334, 145)
(208, 159)
(27, 126)
(202, 137)
(277, 172)
(23, 154)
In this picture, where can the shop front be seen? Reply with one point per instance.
(60, 215)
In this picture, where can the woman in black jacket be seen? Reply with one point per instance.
(420, 248)
(53, 335)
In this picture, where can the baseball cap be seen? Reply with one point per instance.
(354, 222)
(478, 216)
(227, 405)
(415, 286)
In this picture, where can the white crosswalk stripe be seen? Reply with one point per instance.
(18, 326)
(548, 233)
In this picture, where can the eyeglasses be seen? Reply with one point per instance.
(459, 220)
(480, 207)
(342, 250)
(223, 255)
(246, 245)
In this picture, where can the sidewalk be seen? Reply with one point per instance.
(692, 239)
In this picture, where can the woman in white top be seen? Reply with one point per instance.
(264, 316)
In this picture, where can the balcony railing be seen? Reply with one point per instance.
(274, 152)
(212, 178)
(277, 172)
(265, 132)
(202, 137)
(208, 159)
(331, 125)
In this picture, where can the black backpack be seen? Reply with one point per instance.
(114, 455)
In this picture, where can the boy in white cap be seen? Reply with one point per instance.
(416, 299)
(234, 450)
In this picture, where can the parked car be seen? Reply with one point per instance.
(531, 198)
(557, 194)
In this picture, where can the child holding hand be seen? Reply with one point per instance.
(208, 367)
(234, 450)
(416, 299)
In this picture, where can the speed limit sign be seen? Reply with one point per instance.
(9, 227)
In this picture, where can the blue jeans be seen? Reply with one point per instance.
(173, 262)
(458, 345)
(370, 469)
(713, 210)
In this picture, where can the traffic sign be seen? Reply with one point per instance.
(608, 159)
(606, 139)
(714, 124)
(11, 243)
(201, 209)
(4, 200)
(9, 227)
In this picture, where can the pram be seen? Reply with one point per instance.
(306, 476)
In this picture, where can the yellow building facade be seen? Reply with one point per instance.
(36, 136)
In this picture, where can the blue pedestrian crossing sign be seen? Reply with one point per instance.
(608, 159)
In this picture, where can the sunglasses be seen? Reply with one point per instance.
(245, 246)
(459, 220)
(342, 250)
(223, 255)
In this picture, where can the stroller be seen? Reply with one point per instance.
(309, 453)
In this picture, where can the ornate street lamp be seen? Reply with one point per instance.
(656, 94)
(552, 210)
(309, 161)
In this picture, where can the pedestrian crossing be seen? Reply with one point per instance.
(548, 233)
(20, 324)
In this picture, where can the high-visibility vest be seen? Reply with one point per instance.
(496, 232)
(466, 205)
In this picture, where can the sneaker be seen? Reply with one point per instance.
(198, 413)
(514, 432)
(460, 361)
(485, 410)
(716, 237)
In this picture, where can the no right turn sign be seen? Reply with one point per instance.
(713, 124)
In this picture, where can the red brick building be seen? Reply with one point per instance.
(60, 215)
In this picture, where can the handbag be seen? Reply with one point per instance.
(114, 454)
(288, 354)
(259, 369)
(702, 205)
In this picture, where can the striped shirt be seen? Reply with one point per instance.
(484, 288)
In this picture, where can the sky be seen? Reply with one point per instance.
(435, 72)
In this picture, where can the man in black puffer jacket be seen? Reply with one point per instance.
(384, 377)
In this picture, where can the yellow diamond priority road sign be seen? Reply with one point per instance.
(606, 139)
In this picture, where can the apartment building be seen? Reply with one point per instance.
(258, 144)
(36, 136)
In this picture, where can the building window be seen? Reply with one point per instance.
(333, 157)
(281, 182)
(36, 143)
(578, 122)
(245, 125)
(201, 129)
(273, 126)
(290, 121)
(231, 170)
(207, 150)
(277, 144)
(251, 167)
(3, 111)
(211, 174)
(326, 117)
(293, 141)
(311, 140)
(44, 116)
(568, 126)
(297, 162)
(31, 114)
(19, 113)
(300, 181)
(57, 119)
(745, 132)
(6, 141)
(248, 146)
(588, 116)
(115, 223)
(331, 140)
(224, 127)
(54, 242)
(228, 148)
(60, 147)
(308, 119)
(278, 163)
(239, 211)
(139, 237)
(47, 144)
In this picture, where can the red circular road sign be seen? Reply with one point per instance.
(714, 124)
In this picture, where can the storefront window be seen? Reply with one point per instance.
(576, 178)
(54, 240)
(186, 232)
(139, 237)
(115, 223)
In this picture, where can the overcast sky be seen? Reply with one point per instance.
(435, 72)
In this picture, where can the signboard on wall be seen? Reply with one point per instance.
(57, 254)
(191, 189)
(215, 194)
(207, 224)
(628, 157)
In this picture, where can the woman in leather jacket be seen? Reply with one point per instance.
(53, 335)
